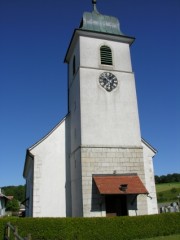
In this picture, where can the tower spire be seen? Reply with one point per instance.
(94, 5)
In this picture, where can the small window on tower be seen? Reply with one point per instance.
(106, 55)
(74, 65)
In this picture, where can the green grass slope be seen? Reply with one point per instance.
(168, 192)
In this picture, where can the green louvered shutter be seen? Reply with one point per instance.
(106, 55)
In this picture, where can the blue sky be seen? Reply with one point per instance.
(34, 37)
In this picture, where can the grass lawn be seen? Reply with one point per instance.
(168, 192)
(171, 237)
(166, 186)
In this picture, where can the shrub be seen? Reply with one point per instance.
(123, 228)
(174, 190)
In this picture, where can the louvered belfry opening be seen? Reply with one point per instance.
(106, 55)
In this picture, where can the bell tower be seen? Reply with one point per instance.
(105, 138)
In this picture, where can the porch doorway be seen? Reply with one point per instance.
(116, 205)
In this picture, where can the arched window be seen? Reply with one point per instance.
(74, 65)
(106, 55)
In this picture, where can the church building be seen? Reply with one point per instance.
(94, 163)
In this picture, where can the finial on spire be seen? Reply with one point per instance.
(94, 5)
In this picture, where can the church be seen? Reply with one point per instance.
(94, 163)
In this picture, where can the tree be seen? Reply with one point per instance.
(18, 192)
(12, 205)
(157, 179)
(169, 178)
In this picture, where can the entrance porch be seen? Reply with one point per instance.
(119, 193)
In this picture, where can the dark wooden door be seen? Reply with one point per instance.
(116, 205)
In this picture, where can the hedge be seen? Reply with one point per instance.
(123, 228)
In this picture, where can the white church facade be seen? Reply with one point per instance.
(94, 162)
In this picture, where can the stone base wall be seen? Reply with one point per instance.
(110, 160)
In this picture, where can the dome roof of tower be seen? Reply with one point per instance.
(94, 21)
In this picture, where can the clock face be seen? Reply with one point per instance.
(108, 81)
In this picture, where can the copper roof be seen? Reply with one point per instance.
(94, 21)
(119, 184)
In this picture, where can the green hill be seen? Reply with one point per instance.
(168, 192)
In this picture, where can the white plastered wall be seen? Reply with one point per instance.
(50, 174)
(107, 118)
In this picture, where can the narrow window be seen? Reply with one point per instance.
(74, 65)
(75, 163)
(74, 106)
(74, 132)
(106, 55)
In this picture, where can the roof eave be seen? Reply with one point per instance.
(102, 35)
(48, 134)
(149, 145)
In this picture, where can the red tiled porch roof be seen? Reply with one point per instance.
(114, 184)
